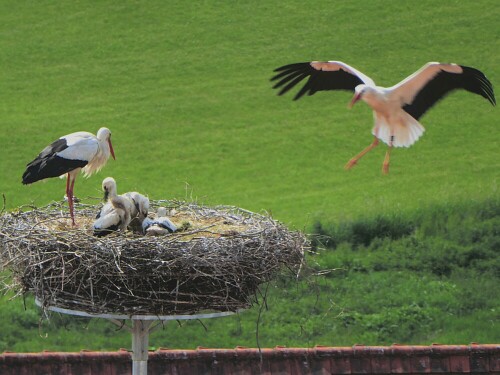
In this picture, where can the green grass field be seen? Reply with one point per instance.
(184, 87)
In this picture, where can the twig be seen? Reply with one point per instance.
(218, 264)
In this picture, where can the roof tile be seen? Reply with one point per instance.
(320, 360)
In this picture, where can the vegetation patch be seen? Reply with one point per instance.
(418, 283)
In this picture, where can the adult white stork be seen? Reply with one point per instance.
(68, 155)
(396, 109)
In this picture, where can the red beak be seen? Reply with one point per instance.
(111, 149)
(355, 98)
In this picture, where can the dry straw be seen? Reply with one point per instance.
(216, 262)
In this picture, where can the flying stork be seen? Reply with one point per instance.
(396, 109)
(68, 155)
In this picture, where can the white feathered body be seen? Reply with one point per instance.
(392, 125)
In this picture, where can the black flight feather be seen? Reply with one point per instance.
(444, 82)
(319, 80)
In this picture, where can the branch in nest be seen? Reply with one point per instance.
(218, 264)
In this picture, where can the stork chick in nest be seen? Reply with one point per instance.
(110, 192)
(158, 226)
(117, 218)
(140, 204)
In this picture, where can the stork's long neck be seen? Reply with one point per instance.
(104, 150)
(112, 192)
(99, 159)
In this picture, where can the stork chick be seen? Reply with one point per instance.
(140, 204)
(117, 219)
(140, 212)
(110, 191)
(160, 225)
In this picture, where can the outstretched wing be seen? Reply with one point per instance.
(330, 75)
(434, 81)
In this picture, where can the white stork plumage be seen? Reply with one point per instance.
(160, 225)
(109, 188)
(396, 109)
(68, 155)
(117, 218)
(141, 209)
(139, 203)
(110, 191)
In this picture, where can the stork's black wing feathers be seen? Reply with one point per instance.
(470, 79)
(56, 146)
(52, 166)
(319, 80)
(48, 164)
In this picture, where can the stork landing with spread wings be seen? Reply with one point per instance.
(396, 109)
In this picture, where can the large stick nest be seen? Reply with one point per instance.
(216, 261)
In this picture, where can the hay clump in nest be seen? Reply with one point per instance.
(216, 262)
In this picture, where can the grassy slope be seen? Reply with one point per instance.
(184, 88)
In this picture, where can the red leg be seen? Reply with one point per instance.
(69, 194)
(72, 184)
(351, 163)
(385, 165)
(68, 177)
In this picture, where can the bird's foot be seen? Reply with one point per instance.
(75, 199)
(351, 163)
(385, 168)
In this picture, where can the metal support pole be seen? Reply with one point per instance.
(141, 328)
(140, 342)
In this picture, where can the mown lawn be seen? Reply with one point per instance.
(184, 86)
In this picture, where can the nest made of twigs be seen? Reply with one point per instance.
(216, 261)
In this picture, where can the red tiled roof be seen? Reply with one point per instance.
(395, 359)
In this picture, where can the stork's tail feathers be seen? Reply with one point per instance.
(403, 133)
